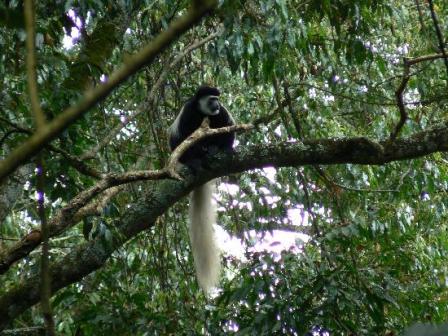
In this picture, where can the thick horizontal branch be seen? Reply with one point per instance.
(310, 152)
(134, 63)
(339, 151)
(159, 195)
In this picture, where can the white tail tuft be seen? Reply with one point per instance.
(206, 255)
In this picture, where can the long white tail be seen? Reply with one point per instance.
(205, 252)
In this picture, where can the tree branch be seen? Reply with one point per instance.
(76, 162)
(202, 132)
(70, 214)
(400, 102)
(408, 62)
(143, 58)
(162, 194)
(45, 286)
(424, 58)
(31, 64)
(308, 152)
(438, 33)
(31, 331)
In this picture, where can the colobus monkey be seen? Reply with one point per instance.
(202, 214)
(205, 103)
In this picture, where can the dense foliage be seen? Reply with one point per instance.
(371, 247)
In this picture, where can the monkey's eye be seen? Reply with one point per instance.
(213, 103)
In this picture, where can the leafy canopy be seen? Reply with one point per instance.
(375, 256)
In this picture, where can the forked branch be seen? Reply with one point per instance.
(408, 63)
(80, 205)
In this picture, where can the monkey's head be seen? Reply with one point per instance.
(208, 100)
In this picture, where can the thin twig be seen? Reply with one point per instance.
(349, 188)
(45, 286)
(345, 96)
(266, 119)
(438, 33)
(424, 58)
(9, 238)
(7, 134)
(315, 227)
(420, 14)
(76, 162)
(39, 116)
(281, 105)
(292, 111)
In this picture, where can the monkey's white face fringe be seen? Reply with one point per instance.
(206, 254)
(205, 108)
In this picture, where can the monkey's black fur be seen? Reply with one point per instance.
(202, 213)
(191, 117)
